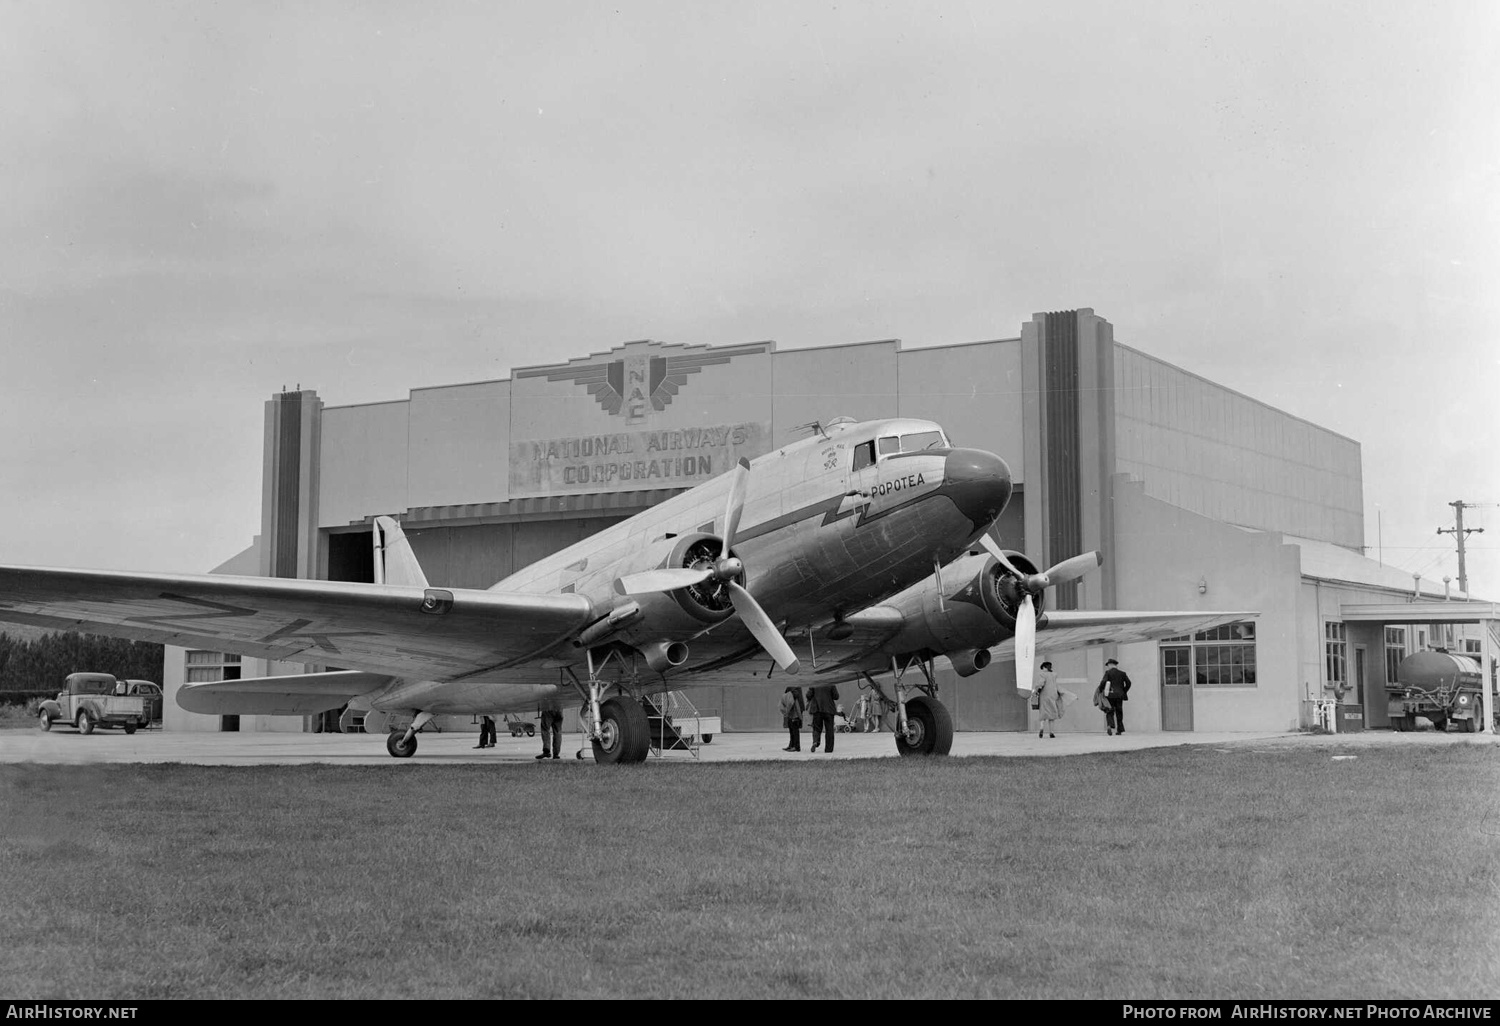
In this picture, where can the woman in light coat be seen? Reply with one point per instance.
(791, 718)
(1047, 700)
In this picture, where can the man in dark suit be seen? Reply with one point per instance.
(1116, 686)
(822, 700)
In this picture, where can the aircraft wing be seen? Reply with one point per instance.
(400, 631)
(1070, 629)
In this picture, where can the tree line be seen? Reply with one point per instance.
(39, 665)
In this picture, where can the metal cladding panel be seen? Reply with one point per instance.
(363, 462)
(459, 445)
(1211, 450)
(973, 390)
(858, 381)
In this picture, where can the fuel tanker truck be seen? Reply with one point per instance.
(1443, 687)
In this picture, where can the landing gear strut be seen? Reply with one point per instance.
(404, 745)
(616, 727)
(923, 724)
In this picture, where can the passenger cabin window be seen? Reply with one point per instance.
(864, 454)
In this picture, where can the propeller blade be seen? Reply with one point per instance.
(670, 579)
(736, 503)
(1072, 569)
(993, 548)
(761, 626)
(1025, 645)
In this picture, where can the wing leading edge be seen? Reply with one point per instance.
(400, 631)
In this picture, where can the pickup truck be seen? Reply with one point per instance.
(90, 700)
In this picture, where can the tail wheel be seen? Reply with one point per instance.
(624, 733)
(85, 724)
(929, 728)
(399, 747)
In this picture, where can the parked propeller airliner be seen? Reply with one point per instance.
(865, 544)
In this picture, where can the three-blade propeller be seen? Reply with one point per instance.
(725, 570)
(1031, 584)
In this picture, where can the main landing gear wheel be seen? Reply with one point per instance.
(624, 733)
(929, 728)
(398, 746)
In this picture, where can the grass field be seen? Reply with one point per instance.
(1164, 873)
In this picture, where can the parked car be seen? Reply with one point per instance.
(150, 692)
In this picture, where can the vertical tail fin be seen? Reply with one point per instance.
(395, 562)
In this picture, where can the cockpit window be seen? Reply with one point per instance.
(864, 454)
(919, 440)
(888, 445)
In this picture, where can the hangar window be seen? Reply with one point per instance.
(204, 666)
(1335, 655)
(1217, 658)
(1395, 651)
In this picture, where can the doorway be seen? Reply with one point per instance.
(1177, 687)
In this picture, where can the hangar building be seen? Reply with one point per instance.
(1198, 496)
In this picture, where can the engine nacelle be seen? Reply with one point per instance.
(973, 609)
(662, 656)
(652, 621)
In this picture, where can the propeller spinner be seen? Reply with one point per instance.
(726, 569)
(1032, 584)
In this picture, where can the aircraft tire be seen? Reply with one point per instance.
(395, 746)
(934, 728)
(627, 733)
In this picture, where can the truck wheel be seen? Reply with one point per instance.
(129, 727)
(44, 720)
(85, 724)
(1440, 724)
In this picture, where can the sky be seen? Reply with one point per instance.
(208, 203)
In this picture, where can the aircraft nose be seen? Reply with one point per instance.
(979, 484)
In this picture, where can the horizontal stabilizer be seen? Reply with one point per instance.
(296, 695)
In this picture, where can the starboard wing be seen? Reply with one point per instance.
(1069, 629)
(400, 631)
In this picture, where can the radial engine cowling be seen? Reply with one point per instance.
(684, 612)
(973, 609)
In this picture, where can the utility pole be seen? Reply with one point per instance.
(1460, 532)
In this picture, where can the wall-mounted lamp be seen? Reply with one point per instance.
(1202, 586)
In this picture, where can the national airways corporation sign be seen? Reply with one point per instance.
(620, 429)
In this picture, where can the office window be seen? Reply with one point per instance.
(1395, 651)
(1217, 658)
(1335, 655)
(205, 666)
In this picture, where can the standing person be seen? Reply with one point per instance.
(1047, 700)
(823, 701)
(551, 718)
(791, 718)
(1115, 686)
(486, 732)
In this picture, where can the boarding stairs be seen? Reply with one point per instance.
(677, 725)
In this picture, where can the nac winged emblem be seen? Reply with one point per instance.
(635, 386)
